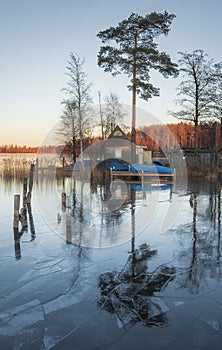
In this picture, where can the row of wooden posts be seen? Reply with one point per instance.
(66, 208)
(20, 215)
(20, 219)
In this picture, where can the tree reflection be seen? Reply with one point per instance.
(205, 259)
(219, 228)
(129, 293)
(213, 212)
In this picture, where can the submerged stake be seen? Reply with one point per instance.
(16, 210)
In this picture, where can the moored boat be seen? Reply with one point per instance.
(155, 168)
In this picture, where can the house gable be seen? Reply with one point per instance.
(118, 133)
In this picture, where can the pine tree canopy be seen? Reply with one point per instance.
(135, 52)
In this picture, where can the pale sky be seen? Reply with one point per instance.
(37, 36)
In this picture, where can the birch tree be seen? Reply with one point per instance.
(113, 113)
(68, 128)
(75, 121)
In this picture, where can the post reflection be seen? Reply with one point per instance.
(25, 227)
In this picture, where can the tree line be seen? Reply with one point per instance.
(17, 149)
(44, 149)
(181, 135)
(167, 137)
(154, 137)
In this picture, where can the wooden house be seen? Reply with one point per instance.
(118, 145)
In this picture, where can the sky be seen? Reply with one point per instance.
(37, 37)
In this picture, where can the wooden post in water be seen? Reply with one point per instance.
(63, 201)
(31, 222)
(31, 177)
(23, 211)
(68, 226)
(23, 218)
(25, 185)
(16, 210)
(37, 169)
(17, 244)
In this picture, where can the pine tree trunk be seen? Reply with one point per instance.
(133, 137)
(221, 133)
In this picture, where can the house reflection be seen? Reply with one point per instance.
(113, 201)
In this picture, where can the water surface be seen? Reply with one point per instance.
(139, 269)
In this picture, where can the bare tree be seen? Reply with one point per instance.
(75, 119)
(197, 89)
(68, 128)
(113, 113)
(218, 97)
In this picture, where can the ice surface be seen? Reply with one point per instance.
(48, 293)
(23, 316)
(214, 324)
(158, 307)
(29, 275)
(178, 303)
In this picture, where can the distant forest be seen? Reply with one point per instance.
(26, 149)
(169, 136)
(155, 137)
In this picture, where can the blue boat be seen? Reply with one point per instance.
(136, 187)
(115, 164)
(151, 168)
(157, 167)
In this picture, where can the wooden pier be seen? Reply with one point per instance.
(141, 177)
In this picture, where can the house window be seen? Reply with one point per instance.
(118, 152)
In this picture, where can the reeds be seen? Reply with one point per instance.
(204, 172)
(13, 167)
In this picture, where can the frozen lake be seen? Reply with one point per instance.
(140, 269)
